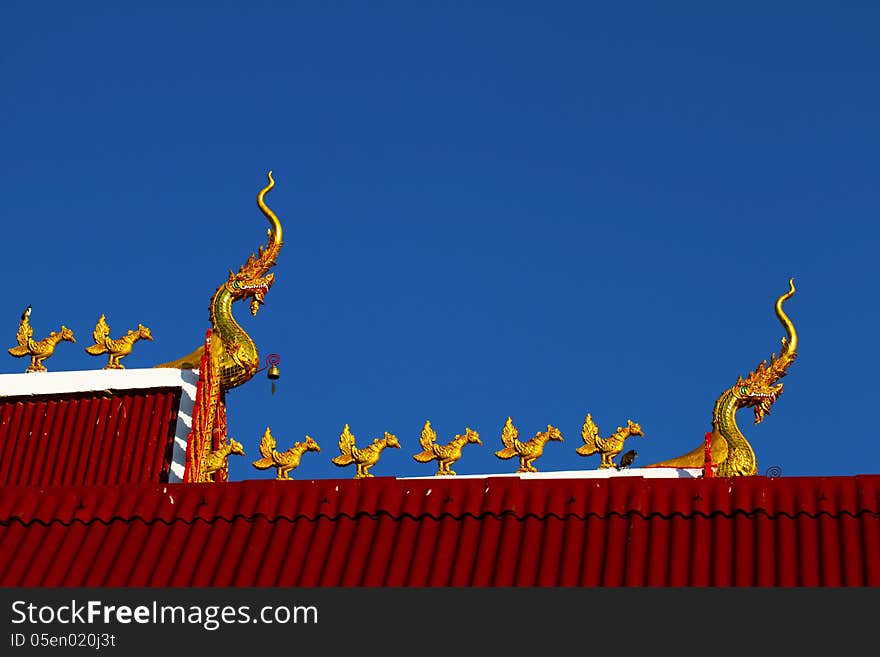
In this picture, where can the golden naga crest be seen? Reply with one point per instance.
(115, 348)
(286, 461)
(238, 357)
(527, 451)
(447, 454)
(365, 458)
(38, 350)
(230, 353)
(730, 453)
(607, 448)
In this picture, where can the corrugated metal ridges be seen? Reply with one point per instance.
(87, 437)
(626, 531)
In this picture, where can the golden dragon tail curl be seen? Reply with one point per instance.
(274, 231)
(789, 344)
(766, 374)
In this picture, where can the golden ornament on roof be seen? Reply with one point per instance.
(526, 451)
(239, 359)
(38, 350)
(365, 458)
(730, 452)
(118, 348)
(447, 454)
(217, 460)
(607, 448)
(229, 357)
(286, 461)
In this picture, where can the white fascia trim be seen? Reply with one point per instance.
(189, 378)
(56, 383)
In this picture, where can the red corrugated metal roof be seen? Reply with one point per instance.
(88, 437)
(619, 531)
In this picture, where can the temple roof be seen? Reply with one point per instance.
(95, 427)
(84, 502)
(493, 531)
(119, 477)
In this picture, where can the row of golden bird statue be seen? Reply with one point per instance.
(40, 350)
(364, 458)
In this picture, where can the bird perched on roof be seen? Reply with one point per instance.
(627, 459)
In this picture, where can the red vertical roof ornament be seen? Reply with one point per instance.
(208, 421)
(708, 467)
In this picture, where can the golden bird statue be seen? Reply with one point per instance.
(607, 448)
(115, 348)
(218, 459)
(38, 350)
(365, 458)
(526, 451)
(447, 454)
(286, 461)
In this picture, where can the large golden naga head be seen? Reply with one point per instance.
(252, 281)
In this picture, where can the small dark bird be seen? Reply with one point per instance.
(627, 459)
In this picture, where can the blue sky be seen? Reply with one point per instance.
(535, 210)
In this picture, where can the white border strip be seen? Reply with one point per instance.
(605, 473)
(57, 383)
(54, 383)
(188, 379)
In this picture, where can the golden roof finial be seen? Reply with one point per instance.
(115, 349)
(729, 451)
(365, 458)
(239, 358)
(447, 454)
(218, 459)
(38, 350)
(283, 462)
(608, 448)
(526, 451)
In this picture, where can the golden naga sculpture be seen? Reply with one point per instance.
(216, 460)
(365, 458)
(115, 349)
(607, 448)
(527, 451)
(284, 461)
(446, 454)
(229, 357)
(38, 350)
(730, 452)
(239, 359)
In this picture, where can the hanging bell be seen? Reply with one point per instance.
(273, 372)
